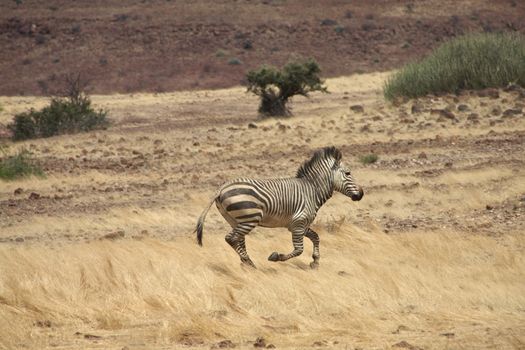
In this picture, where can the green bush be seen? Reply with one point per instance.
(275, 87)
(62, 116)
(18, 165)
(369, 158)
(474, 61)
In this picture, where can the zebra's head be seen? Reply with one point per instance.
(345, 183)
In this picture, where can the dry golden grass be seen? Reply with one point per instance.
(372, 290)
(449, 275)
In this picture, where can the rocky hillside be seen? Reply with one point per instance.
(147, 45)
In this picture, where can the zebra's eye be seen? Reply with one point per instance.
(347, 173)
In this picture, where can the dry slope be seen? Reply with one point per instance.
(432, 257)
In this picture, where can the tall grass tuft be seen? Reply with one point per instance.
(474, 61)
(17, 166)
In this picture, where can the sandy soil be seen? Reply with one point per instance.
(432, 257)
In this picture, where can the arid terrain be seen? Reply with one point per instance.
(161, 45)
(100, 253)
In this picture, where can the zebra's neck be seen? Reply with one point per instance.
(322, 180)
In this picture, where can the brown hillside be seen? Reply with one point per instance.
(131, 45)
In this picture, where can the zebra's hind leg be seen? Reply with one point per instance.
(297, 239)
(237, 241)
(314, 237)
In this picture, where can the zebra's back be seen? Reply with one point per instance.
(268, 203)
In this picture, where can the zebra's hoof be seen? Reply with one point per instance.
(314, 265)
(274, 257)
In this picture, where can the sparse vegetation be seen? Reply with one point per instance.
(234, 61)
(369, 158)
(221, 53)
(275, 87)
(65, 115)
(339, 29)
(474, 61)
(17, 166)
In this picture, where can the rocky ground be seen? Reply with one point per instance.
(431, 257)
(158, 46)
(449, 162)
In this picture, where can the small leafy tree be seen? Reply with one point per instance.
(275, 87)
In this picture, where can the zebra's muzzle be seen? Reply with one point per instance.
(358, 196)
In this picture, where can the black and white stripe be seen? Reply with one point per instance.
(283, 202)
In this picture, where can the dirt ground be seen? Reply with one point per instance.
(100, 253)
(160, 46)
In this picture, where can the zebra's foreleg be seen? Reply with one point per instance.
(314, 237)
(297, 239)
(237, 241)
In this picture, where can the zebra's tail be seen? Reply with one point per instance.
(200, 222)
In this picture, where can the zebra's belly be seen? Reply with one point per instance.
(274, 221)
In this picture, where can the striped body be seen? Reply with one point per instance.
(269, 203)
(283, 202)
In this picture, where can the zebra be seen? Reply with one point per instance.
(282, 202)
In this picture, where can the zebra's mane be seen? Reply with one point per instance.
(319, 155)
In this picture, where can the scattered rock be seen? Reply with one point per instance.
(400, 329)
(252, 126)
(389, 203)
(448, 335)
(511, 112)
(463, 108)
(357, 108)
(19, 239)
(43, 324)
(416, 108)
(489, 207)
(496, 111)
(365, 128)
(319, 343)
(270, 346)
(406, 345)
(18, 191)
(223, 344)
(92, 336)
(422, 155)
(492, 93)
(473, 117)
(328, 22)
(34, 196)
(114, 235)
(512, 87)
(259, 343)
(448, 164)
(445, 113)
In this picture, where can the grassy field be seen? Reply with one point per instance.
(100, 254)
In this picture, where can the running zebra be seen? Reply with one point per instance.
(284, 202)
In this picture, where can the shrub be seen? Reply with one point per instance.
(64, 115)
(234, 61)
(474, 61)
(221, 53)
(369, 158)
(275, 87)
(18, 165)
